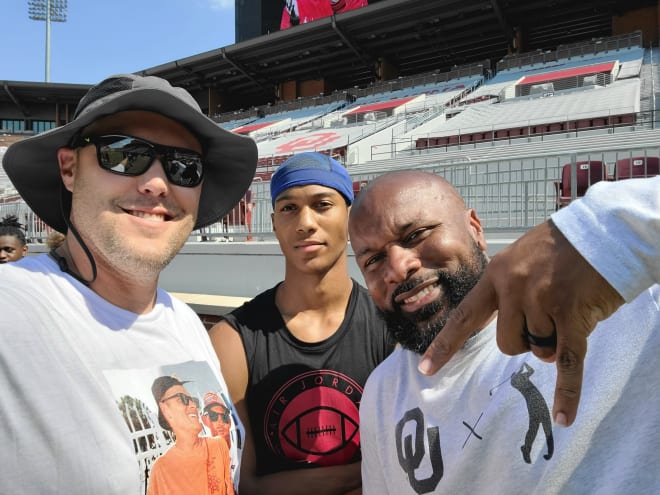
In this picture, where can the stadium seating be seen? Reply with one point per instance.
(588, 172)
(557, 93)
(358, 185)
(594, 108)
(373, 118)
(641, 166)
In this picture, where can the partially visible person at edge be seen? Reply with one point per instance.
(13, 244)
(296, 357)
(482, 424)
(55, 239)
(194, 464)
(136, 170)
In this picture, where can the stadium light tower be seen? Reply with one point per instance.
(49, 11)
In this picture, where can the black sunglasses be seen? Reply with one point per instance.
(214, 415)
(185, 399)
(127, 155)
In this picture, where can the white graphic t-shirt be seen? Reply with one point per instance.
(79, 374)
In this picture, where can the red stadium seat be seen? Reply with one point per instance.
(628, 168)
(358, 185)
(583, 124)
(588, 172)
(628, 118)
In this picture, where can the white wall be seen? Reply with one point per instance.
(244, 269)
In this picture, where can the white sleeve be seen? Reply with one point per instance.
(616, 228)
(373, 482)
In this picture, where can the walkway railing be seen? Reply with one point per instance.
(514, 191)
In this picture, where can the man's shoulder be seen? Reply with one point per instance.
(263, 299)
(393, 366)
(217, 443)
(390, 374)
(179, 307)
(363, 297)
(254, 311)
(26, 274)
(361, 289)
(365, 309)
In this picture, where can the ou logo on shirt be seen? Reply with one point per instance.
(410, 451)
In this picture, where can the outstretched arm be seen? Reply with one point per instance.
(333, 480)
(542, 283)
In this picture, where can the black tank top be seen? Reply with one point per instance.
(303, 398)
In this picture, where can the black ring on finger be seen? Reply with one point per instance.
(550, 341)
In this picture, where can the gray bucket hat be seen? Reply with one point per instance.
(230, 160)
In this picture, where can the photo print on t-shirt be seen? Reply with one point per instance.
(180, 402)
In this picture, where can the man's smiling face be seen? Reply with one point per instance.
(420, 251)
(132, 224)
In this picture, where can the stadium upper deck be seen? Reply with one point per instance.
(586, 83)
(380, 42)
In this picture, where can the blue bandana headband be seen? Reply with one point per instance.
(311, 168)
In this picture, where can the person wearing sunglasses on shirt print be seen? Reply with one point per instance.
(217, 417)
(194, 464)
(127, 180)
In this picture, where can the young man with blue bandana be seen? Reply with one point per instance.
(297, 356)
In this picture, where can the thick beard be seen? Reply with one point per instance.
(416, 331)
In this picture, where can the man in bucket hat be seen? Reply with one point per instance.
(297, 356)
(138, 168)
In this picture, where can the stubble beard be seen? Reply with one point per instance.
(133, 260)
(129, 256)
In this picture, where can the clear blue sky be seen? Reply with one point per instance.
(104, 38)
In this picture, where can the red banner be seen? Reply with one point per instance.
(301, 11)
